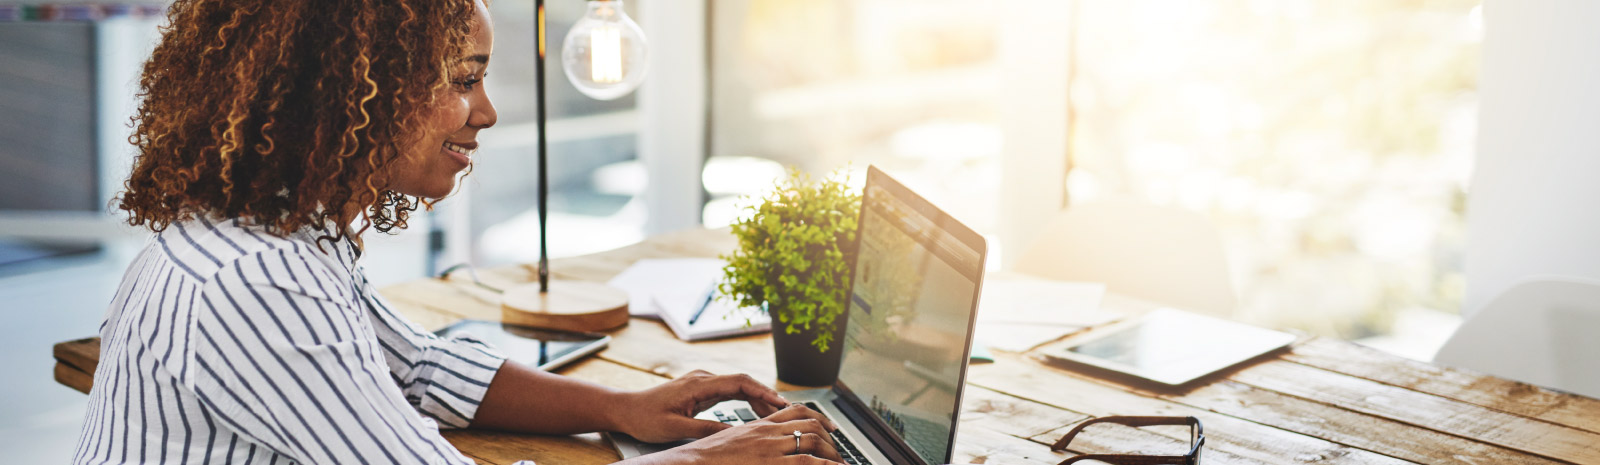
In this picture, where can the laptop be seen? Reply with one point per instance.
(908, 332)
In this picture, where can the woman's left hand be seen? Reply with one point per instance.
(666, 413)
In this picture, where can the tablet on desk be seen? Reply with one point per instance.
(1170, 346)
(533, 347)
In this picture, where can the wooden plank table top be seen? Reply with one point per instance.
(1321, 402)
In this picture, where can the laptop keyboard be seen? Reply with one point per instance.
(847, 449)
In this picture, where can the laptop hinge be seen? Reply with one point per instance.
(894, 448)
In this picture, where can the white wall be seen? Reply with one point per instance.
(1534, 205)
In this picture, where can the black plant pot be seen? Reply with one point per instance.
(800, 363)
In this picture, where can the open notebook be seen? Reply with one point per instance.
(682, 311)
(659, 287)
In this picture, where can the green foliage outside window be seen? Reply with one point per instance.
(795, 252)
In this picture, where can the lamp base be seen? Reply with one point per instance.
(568, 306)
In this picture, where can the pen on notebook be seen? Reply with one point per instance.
(710, 294)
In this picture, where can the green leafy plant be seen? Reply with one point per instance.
(794, 255)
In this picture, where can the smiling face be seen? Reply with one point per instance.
(450, 128)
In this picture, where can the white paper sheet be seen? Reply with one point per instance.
(650, 277)
(1017, 314)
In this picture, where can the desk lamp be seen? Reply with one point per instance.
(604, 56)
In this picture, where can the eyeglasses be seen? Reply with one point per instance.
(1196, 432)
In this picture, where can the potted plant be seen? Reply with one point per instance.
(796, 249)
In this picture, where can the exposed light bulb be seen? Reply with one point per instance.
(604, 54)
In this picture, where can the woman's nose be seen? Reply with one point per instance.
(483, 113)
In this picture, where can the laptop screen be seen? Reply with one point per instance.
(912, 304)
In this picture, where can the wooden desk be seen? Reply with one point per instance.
(1324, 401)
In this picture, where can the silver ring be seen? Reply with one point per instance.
(796, 442)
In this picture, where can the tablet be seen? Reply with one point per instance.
(533, 347)
(1170, 346)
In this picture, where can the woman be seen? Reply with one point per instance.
(246, 332)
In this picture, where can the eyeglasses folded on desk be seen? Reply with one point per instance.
(1197, 438)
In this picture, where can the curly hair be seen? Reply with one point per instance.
(286, 112)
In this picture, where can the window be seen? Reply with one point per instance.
(1330, 142)
(907, 85)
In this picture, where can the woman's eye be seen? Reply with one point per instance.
(467, 84)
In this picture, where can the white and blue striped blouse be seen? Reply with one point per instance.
(225, 344)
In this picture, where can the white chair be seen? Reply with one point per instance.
(1164, 255)
(1542, 331)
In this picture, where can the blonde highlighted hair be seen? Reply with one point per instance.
(287, 112)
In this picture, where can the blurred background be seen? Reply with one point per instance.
(1330, 143)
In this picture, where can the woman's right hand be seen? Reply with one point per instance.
(769, 440)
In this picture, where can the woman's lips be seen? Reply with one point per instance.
(461, 151)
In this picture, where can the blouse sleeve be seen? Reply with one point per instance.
(283, 359)
(444, 379)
